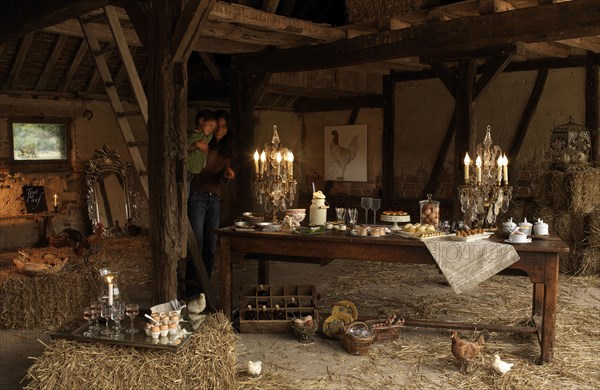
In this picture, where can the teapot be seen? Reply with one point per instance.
(318, 209)
(508, 227)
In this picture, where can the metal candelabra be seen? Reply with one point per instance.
(274, 187)
(486, 192)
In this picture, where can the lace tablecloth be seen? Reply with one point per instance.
(466, 264)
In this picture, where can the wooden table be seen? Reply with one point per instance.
(538, 260)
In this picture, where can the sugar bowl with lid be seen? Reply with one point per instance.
(508, 227)
(540, 228)
(525, 226)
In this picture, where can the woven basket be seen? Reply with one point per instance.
(382, 331)
(357, 345)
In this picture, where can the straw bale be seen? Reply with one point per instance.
(360, 10)
(562, 225)
(590, 262)
(585, 190)
(594, 229)
(559, 190)
(516, 210)
(207, 361)
(542, 183)
(28, 302)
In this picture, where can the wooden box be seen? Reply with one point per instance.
(262, 320)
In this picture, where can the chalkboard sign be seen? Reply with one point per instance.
(35, 199)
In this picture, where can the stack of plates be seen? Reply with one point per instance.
(251, 218)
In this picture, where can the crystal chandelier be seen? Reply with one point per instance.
(485, 193)
(274, 187)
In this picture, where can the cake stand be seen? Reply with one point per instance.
(395, 219)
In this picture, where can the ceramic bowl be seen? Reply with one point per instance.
(518, 237)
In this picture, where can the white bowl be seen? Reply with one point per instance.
(517, 237)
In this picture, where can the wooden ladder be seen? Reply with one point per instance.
(111, 89)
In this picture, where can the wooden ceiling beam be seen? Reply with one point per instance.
(339, 103)
(544, 23)
(213, 68)
(17, 66)
(586, 43)
(292, 90)
(66, 80)
(20, 17)
(269, 6)
(545, 49)
(233, 13)
(58, 46)
(191, 21)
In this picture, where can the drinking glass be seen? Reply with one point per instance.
(97, 307)
(341, 214)
(117, 314)
(88, 315)
(375, 205)
(365, 203)
(105, 313)
(352, 217)
(132, 310)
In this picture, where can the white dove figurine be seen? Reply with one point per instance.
(500, 366)
(254, 368)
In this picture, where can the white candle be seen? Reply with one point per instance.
(256, 161)
(55, 200)
(278, 158)
(478, 169)
(499, 179)
(263, 159)
(505, 169)
(290, 164)
(467, 162)
(109, 279)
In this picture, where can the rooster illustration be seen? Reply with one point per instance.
(342, 156)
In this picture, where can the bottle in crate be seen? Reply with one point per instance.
(292, 303)
(262, 292)
(278, 314)
(264, 314)
(249, 313)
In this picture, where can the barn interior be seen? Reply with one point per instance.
(425, 78)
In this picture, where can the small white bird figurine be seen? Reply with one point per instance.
(500, 366)
(254, 368)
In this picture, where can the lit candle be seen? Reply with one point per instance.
(256, 161)
(55, 200)
(290, 164)
(478, 169)
(109, 279)
(500, 161)
(505, 164)
(278, 158)
(467, 162)
(263, 159)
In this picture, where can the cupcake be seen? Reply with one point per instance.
(173, 328)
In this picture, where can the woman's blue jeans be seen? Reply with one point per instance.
(203, 212)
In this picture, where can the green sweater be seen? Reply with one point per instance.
(196, 158)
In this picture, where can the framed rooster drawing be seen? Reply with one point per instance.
(346, 153)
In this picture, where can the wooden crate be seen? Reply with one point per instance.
(305, 297)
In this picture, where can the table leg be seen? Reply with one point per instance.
(538, 299)
(550, 301)
(226, 275)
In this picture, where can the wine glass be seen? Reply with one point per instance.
(341, 214)
(352, 217)
(375, 205)
(132, 310)
(89, 316)
(365, 203)
(97, 307)
(117, 314)
(105, 313)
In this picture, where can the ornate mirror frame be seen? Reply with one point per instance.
(107, 160)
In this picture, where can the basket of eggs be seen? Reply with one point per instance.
(357, 339)
(385, 328)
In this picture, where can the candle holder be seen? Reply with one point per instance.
(274, 187)
(486, 192)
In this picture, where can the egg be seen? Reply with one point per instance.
(173, 325)
(155, 328)
(174, 318)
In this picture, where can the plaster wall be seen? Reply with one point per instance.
(87, 136)
(424, 109)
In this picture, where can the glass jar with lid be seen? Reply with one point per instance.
(429, 211)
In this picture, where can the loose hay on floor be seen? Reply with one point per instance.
(421, 358)
(207, 361)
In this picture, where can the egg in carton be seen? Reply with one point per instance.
(168, 307)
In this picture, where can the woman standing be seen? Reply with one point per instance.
(205, 197)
